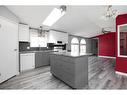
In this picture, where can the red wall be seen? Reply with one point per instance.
(106, 44)
(121, 63)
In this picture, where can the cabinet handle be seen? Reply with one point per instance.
(15, 49)
(25, 54)
(0, 74)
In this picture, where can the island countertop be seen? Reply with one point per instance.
(72, 54)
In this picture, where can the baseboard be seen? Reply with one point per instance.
(107, 57)
(121, 73)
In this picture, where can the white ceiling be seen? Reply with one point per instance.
(79, 20)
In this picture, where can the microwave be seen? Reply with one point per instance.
(59, 42)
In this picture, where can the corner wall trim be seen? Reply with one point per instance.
(107, 57)
(121, 73)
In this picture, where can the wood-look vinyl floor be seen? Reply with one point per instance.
(101, 76)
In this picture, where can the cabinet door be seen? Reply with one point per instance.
(46, 59)
(41, 59)
(27, 61)
(38, 59)
(8, 49)
(24, 34)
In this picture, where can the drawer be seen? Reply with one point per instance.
(27, 54)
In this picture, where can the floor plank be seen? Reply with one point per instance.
(101, 76)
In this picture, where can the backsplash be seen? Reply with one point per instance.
(23, 46)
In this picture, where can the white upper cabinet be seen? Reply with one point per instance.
(55, 36)
(24, 34)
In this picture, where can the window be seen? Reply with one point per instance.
(37, 41)
(74, 45)
(83, 46)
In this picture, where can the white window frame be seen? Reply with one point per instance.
(76, 44)
(82, 44)
(38, 42)
(118, 41)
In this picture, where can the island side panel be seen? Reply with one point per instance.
(62, 67)
(67, 69)
(81, 72)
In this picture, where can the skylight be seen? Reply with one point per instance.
(54, 16)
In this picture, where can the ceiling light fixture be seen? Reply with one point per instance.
(55, 15)
(110, 13)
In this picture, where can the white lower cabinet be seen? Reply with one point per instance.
(27, 61)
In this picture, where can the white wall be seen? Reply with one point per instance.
(55, 36)
(5, 12)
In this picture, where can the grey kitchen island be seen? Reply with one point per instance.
(72, 68)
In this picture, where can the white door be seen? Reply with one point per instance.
(8, 49)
